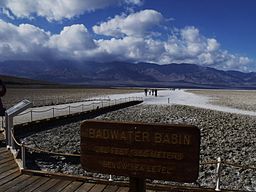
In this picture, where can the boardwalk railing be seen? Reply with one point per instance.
(47, 101)
(56, 111)
(218, 163)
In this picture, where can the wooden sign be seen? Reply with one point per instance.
(168, 152)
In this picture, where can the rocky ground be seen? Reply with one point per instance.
(229, 136)
(52, 96)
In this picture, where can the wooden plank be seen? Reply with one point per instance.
(3, 149)
(5, 160)
(9, 178)
(72, 186)
(98, 188)
(46, 186)
(111, 188)
(9, 172)
(59, 186)
(8, 167)
(5, 152)
(5, 155)
(85, 187)
(23, 184)
(33, 186)
(14, 182)
(123, 189)
(8, 163)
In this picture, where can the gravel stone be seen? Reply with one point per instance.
(229, 136)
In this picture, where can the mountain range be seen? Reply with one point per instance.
(128, 74)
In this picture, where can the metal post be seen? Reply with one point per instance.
(218, 169)
(53, 112)
(110, 178)
(168, 100)
(69, 109)
(9, 128)
(6, 129)
(2, 122)
(12, 142)
(31, 115)
(101, 103)
(23, 155)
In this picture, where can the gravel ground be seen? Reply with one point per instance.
(229, 136)
(42, 97)
(241, 99)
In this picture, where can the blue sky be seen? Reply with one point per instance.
(215, 33)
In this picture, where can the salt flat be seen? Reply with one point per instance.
(164, 97)
(182, 97)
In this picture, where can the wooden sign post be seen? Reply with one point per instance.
(140, 150)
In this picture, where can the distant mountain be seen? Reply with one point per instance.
(11, 81)
(128, 74)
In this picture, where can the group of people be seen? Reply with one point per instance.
(152, 92)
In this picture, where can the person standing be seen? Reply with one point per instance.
(146, 92)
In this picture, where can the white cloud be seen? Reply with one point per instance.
(55, 10)
(72, 40)
(136, 24)
(186, 45)
(29, 42)
(131, 48)
(21, 41)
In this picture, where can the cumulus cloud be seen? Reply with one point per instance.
(130, 39)
(29, 42)
(72, 40)
(135, 24)
(58, 9)
(187, 45)
(21, 41)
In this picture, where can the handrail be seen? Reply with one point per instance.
(61, 108)
(24, 113)
(52, 153)
(238, 166)
(42, 111)
(76, 106)
(14, 139)
(211, 162)
(102, 103)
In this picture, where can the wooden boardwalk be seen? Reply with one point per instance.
(11, 179)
